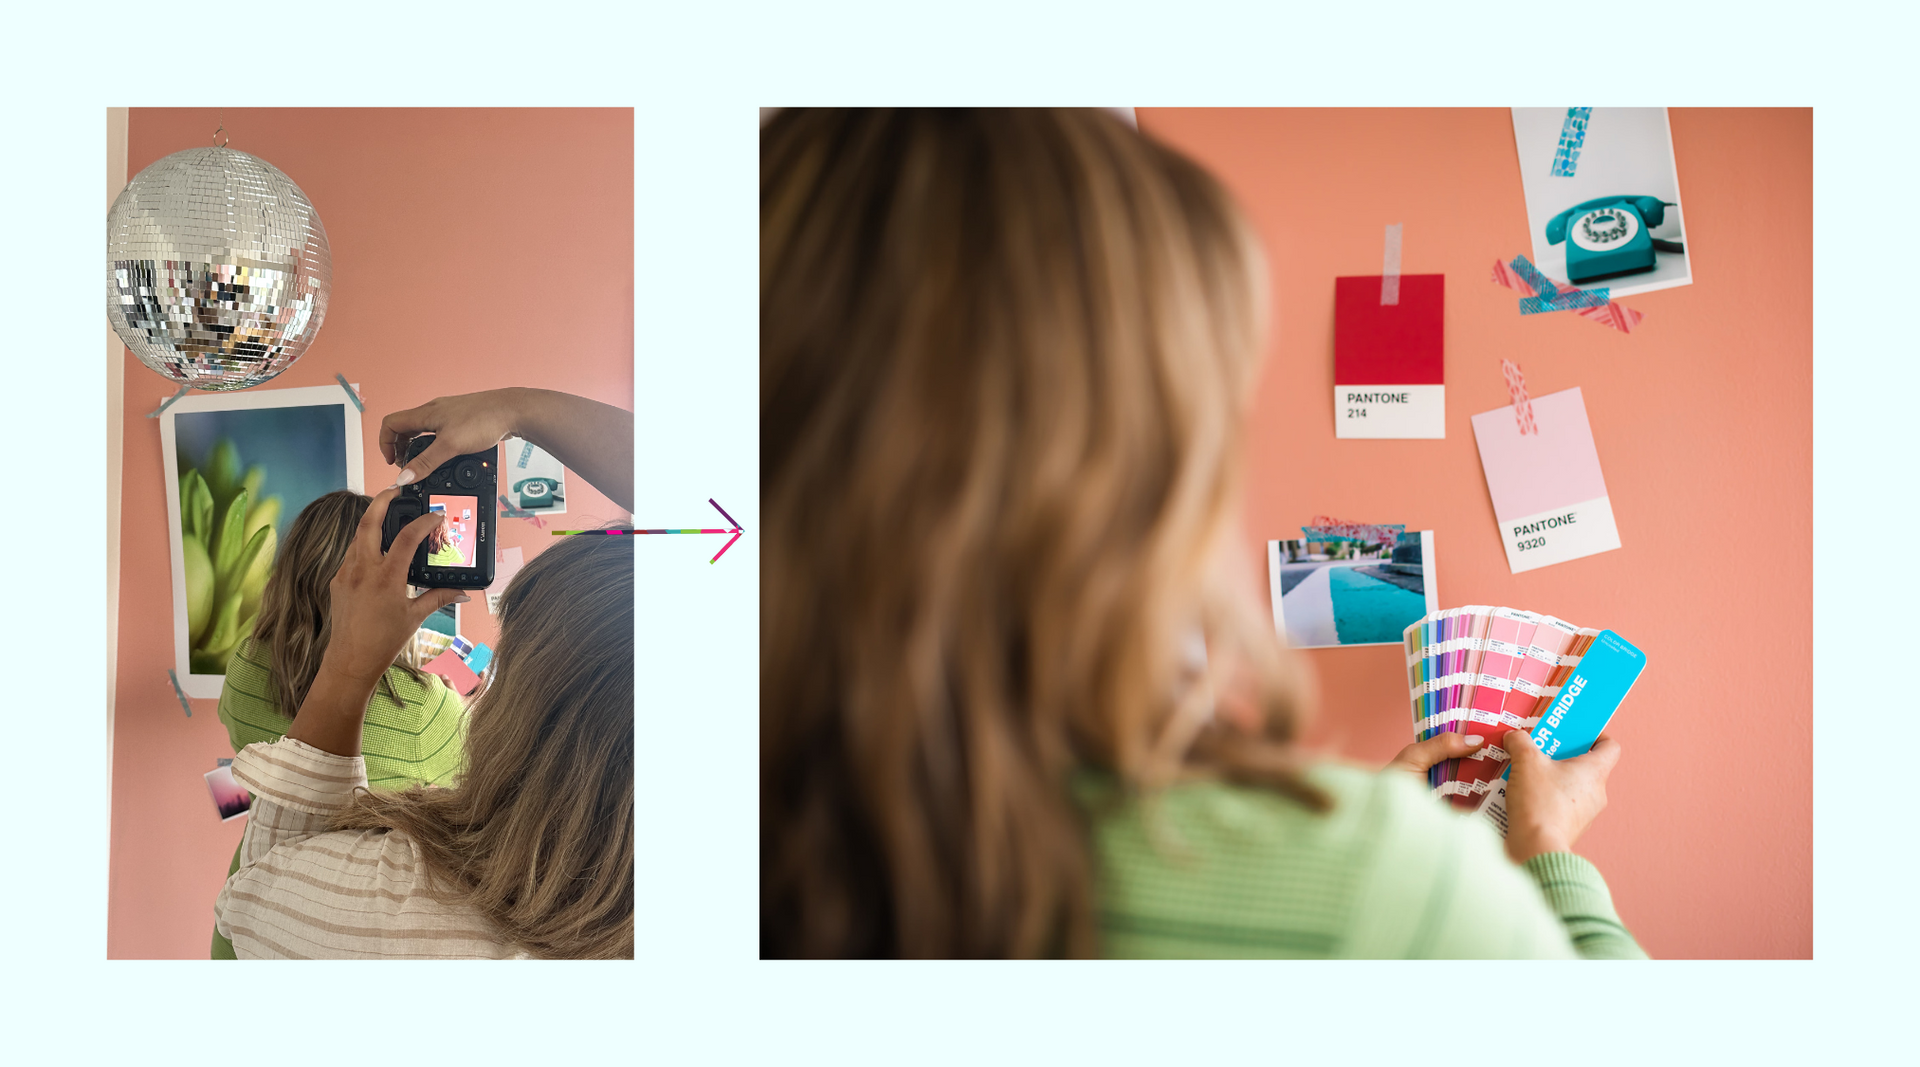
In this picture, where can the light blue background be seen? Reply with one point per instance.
(696, 75)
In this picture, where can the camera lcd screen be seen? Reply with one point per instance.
(452, 545)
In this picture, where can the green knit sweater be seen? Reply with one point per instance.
(1217, 871)
(419, 738)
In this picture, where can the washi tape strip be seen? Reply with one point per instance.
(1573, 133)
(351, 395)
(1339, 529)
(1573, 301)
(155, 413)
(1504, 275)
(1390, 269)
(1517, 389)
(1619, 317)
(178, 692)
(1538, 282)
(511, 512)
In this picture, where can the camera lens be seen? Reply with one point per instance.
(467, 474)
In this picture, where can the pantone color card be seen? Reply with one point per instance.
(1569, 726)
(1588, 698)
(1548, 495)
(1388, 359)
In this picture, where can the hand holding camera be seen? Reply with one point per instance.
(373, 616)
(594, 440)
(459, 552)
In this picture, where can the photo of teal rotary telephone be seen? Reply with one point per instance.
(1610, 236)
(538, 493)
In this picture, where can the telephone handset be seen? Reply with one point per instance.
(1610, 236)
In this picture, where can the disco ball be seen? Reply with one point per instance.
(217, 269)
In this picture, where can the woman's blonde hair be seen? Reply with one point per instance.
(1005, 364)
(537, 831)
(295, 620)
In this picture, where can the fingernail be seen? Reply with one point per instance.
(1475, 739)
(462, 598)
(405, 477)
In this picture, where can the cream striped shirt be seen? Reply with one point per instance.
(303, 892)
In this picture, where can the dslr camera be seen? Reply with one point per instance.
(458, 554)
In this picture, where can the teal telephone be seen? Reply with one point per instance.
(1610, 236)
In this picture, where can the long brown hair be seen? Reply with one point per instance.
(1005, 362)
(295, 620)
(537, 831)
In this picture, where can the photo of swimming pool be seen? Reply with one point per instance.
(1322, 602)
(1369, 610)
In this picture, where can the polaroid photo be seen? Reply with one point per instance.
(240, 467)
(1603, 197)
(229, 799)
(532, 480)
(1342, 592)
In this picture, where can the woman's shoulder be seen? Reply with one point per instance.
(413, 731)
(249, 704)
(1215, 868)
(1365, 807)
(289, 903)
(413, 688)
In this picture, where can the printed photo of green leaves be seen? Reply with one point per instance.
(240, 467)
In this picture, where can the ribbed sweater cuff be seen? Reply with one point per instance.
(1578, 895)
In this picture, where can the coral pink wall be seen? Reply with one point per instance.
(1703, 421)
(472, 249)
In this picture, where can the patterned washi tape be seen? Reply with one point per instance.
(1517, 389)
(1538, 282)
(1618, 316)
(1573, 133)
(1592, 298)
(1384, 534)
(1552, 297)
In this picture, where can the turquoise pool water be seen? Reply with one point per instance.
(1366, 610)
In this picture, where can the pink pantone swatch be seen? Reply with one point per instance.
(1552, 468)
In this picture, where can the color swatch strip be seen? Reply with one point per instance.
(1485, 671)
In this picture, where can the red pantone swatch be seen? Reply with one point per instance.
(1394, 344)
